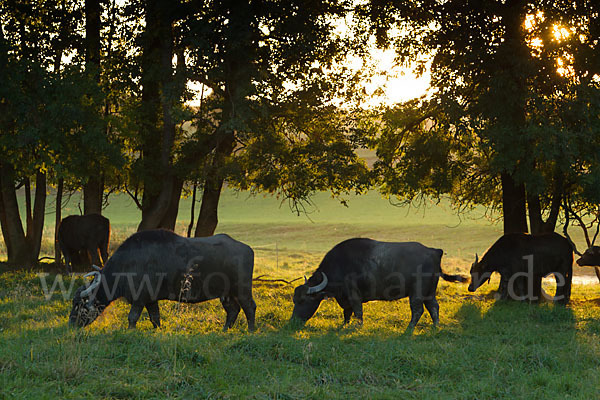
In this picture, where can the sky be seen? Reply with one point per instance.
(398, 84)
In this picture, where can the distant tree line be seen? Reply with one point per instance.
(94, 97)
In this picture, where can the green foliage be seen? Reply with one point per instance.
(273, 70)
(509, 95)
(51, 118)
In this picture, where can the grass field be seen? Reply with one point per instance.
(484, 349)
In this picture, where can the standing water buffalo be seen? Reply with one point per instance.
(360, 270)
(590, 258)
(161, 265)
(80, 235)
(522, 261)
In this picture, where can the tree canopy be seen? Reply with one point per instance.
(511, 120)
(96, 97)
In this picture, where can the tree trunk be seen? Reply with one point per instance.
(94, 187)
(92, 196)
(208, 216)
(57, 219)
(170, 218)
(34, 238)
(4, 225)
(22, 251)
(238, 81)
(513, 205)
(192, 209)
(156, 78)
(536, 221)
(28, 207)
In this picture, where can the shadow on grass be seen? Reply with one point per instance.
(508, 317)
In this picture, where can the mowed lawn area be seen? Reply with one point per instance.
(484, 349)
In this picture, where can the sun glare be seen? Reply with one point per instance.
(560, 33)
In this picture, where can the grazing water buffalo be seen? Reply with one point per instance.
(161, 265)
(522, 261)
(360, 270)
(80, 235)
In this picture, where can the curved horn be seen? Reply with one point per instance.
(319, 287)
(95, 283)
(476, 258)
(97, 268)
(305, 280)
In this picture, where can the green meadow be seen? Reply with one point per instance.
(483, 349)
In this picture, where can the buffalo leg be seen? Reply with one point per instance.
(104, 253)
(68, 260)
(249, 307)
(564, 292)
(503, 288)
(434, 310)
(154, 313)
(357, 308)
(95, 256)
(134, 315)
(347, 307)
(232, 308)
(416, 310)
(536, 282)
(347, 315)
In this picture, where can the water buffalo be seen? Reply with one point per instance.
(83, 236)
(590, 258)
(522, 261)
(359, 270)
(161, 265)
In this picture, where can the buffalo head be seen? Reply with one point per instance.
(307, 299)
(86, 308)
(479, 274)
(590, 258)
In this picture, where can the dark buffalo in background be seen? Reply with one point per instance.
(161, 265)
(550, 254)
(359, 270)
(84, 238)
(590, 258)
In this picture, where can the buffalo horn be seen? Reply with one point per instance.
(476, 258)
(97, 268)
(95, 283)
(319, 287)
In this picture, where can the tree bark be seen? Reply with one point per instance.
(208, 217)
(536, 221)
(94, 187)
(156, 78)
(39, 213)
(23, 250)
(57, 219)
(513, 205)
(238, 81)
(192, 209)
(170, 219)
(92, 196)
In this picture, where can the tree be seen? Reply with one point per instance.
(509, 82)
(93, 188)
(273, 69)
(45, 106)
